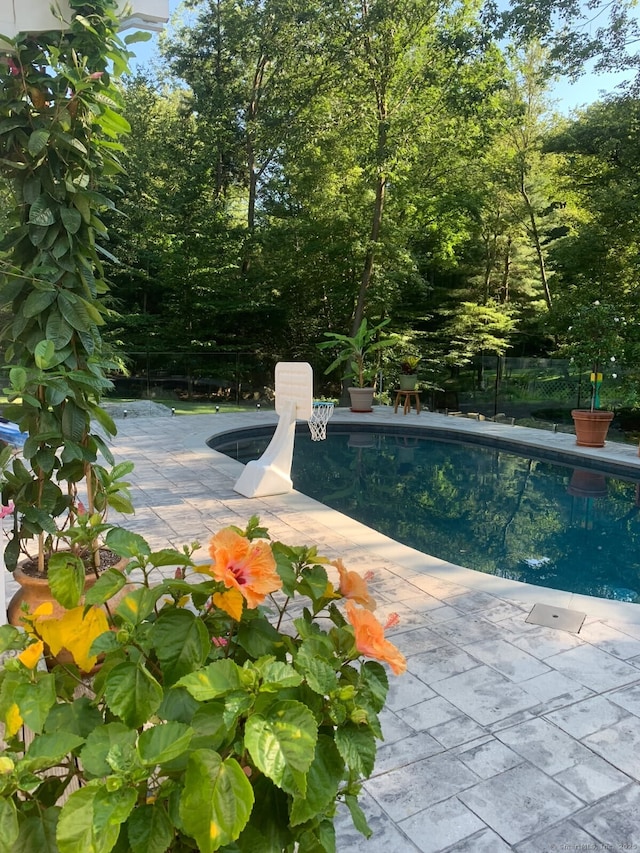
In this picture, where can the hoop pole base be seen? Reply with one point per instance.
(271, 474)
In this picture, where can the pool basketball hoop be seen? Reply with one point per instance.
(318, 421)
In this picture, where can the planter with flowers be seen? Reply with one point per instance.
(236, 705)
(356, 355)
(596, 337)
(408, 372)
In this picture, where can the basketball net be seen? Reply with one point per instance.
(318, 421)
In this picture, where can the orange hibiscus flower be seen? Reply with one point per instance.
(249, 567)
(353, 586)
(370, 639)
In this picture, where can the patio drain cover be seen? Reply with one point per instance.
(556, 617)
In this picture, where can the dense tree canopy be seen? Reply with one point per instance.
(299, 164)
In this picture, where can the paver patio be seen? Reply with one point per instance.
(503, 735)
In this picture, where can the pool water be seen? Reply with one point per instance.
(484, 508)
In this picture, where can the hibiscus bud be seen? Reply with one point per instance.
(6, 765)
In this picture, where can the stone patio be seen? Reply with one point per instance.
(503, 735)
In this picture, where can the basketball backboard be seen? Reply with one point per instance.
(294, 384)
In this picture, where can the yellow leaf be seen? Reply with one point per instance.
(32, 654)
(12, 720)
(74, 632)
(231, 602)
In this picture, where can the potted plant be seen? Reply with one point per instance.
(408, 372)
(355, 354)
(59, 126)
(237, 703)
(596, 337)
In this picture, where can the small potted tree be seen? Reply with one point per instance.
(356, 356)
(59, 130)
(596, 338)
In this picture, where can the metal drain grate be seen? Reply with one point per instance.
(556, 617)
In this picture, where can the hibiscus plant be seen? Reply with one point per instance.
(225, 706)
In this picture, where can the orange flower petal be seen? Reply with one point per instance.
(354, 587)
(32, 654)
(249, 567)
(231, 602)
(370, 640)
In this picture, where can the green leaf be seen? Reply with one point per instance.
(48, 749)
(38, 833)
(40, 213)
(282, 744)
(101, 743)
(10, 638)
(149, 829)
(357, 746)
(90, 819)
(79, 717)
(66, 577)
(314, 582)
(323, 780)
(74, 312)
(37, 302)
(31, 189)
(58, 330)
(8, 823)
(108, 584)
(181, 642)
(18, 378)
(132, 693)
(136, 606)
(163, 743)
(278, 676)
(37, 142)
(105, 420)
(134, 38)
(44, 354)
(127, 544)
(258, 637)
(74, 422)
(216, 801)
(357, 816)
(71, 219)
(375, 677)
(219, 678)
(320, 676)
(35, 701)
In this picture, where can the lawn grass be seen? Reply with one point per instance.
(189, 407)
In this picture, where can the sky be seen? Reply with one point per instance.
(565, 96)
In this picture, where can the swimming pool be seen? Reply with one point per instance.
(530, 519)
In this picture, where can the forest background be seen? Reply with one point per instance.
(297, 165)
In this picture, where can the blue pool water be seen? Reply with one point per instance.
(486, 508)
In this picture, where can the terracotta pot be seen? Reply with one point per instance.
(408, 381)
(591, 426)
(361, 399)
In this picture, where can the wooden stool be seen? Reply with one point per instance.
(404, 397)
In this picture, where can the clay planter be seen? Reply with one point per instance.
(361, 399)
(591, 426)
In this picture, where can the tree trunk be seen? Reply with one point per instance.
(535, 236)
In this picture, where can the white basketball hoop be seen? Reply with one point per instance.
(318, 421)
